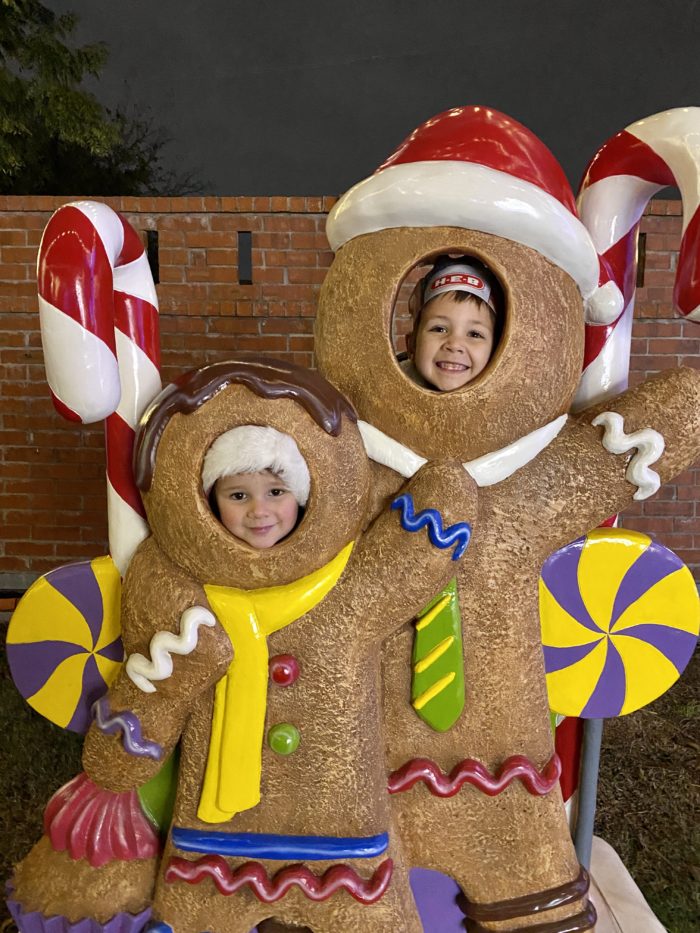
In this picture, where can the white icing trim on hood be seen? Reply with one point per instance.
(492, 468)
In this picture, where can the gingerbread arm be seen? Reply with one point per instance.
(615, 452)
(408, 554)
(175, 650)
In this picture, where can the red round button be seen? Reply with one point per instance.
(284, 669)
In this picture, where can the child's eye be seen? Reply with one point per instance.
(278, 492)
(437, 329)
(476, 333)
(237, 496)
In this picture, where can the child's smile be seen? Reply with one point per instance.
(258, 508)
(454, 341)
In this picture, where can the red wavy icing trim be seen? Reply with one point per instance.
(470, 771)
(99, 826)
(254, 874)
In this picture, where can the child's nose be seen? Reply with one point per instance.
(258, 507)
(455, 344)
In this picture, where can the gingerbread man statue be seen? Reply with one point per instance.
(474, 786)
(265, 662)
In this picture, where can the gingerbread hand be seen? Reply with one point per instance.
(141, 718)
(611, 454)
(409, 552)
(663, 414)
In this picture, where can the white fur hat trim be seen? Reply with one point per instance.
(254, 449)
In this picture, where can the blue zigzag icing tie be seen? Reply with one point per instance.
(457, 534)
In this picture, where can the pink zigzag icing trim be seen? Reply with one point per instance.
(471, 771)
(272, 889)
(97, 825)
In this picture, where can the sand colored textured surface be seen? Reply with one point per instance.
(646, 799)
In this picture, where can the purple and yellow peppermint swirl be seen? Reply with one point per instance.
(620, 617)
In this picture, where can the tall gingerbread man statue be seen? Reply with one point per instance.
(475, 790)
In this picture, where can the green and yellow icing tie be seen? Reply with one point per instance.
(234, 763)
(437, 684)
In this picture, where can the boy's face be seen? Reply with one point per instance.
(256, 507)
(453, 342)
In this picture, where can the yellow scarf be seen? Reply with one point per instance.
(234, 763)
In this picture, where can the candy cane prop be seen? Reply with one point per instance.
(99, 329)
(622, 177)
(619, 182)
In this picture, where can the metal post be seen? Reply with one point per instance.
(587, 791)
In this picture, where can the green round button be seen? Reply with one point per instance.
(283, 738)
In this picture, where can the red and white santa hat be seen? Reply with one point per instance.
(476, 168)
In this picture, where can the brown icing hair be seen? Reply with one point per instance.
(187, 418)
(269, 378)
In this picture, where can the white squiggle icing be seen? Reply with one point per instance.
(492, 468)
(649, 444)
(163, 644)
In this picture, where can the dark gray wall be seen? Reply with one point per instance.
(309, 96)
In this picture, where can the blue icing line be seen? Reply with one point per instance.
(273, 846)
(457, 534)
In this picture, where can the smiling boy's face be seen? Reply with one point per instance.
(257, 508)
(453, 342)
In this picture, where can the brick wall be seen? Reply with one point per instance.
(52, 495)
(661, 341)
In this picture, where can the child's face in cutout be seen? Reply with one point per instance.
(256, 507)
(453, 342)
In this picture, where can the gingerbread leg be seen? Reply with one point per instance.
(511, 854)
(562, 909)
(49, 884)
(395, 912)
(341, 913)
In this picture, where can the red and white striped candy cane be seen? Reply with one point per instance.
(622, 177)
(99, 329)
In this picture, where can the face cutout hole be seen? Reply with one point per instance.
(257, 485)
(448, 321)
(402, 319)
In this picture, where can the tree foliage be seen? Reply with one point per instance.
(55, 136)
